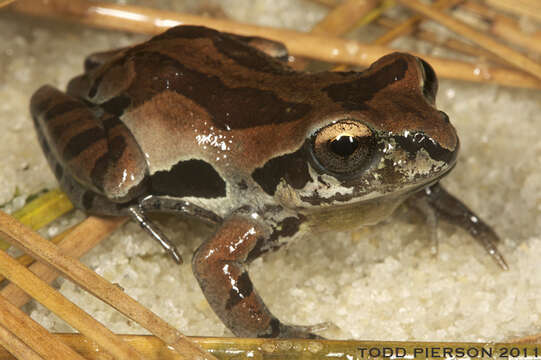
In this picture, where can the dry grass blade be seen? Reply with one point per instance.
(293, 349)
(62, 307)
(451, 44)
(504, 52)
(410, 24)
(530, 8)
(343, 17)
(505, 27)
(75, 242)
(43, 250)
(5, 3)
(33, 334)
(27, 260)
(16, 347)
(509, 30)
(44, 209)
(322, 48)
(41, 211)
(328, 3)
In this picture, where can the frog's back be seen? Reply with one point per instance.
(198, 99)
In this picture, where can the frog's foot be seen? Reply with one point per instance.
(303, 332)
(435, 202)
(138, 215)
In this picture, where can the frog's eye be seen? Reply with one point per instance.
(430, 81)
(345, 147)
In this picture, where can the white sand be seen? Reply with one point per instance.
(381, 283)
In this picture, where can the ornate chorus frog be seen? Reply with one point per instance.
(217, 126)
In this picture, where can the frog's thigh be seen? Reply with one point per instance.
(94, 148)
(218, 265)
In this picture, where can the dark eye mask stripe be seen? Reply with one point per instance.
(416, 141)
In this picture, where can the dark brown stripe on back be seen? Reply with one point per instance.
(233, 108)
(248, 56)
(353, 95)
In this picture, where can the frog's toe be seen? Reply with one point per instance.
(303, 332)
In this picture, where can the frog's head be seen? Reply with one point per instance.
(387, 140)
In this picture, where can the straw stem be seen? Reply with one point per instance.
(43, 250)
(343, 17)
(62, 307)
(33, 334)
(410, 24)
(75, 242)
(505, 27)
(325, 48)
(531, 8)
(16, 347)
(504, 52)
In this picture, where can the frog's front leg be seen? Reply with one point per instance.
(435, 202)
(219, 266)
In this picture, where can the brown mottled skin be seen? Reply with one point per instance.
(214, 125)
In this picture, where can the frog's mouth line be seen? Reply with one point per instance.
(428, 183)
(346, 199)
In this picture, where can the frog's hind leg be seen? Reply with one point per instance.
(92, 146)
(435, 202)
(94, 157)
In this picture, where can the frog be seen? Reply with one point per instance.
(217, 126)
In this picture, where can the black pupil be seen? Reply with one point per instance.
(344, 145)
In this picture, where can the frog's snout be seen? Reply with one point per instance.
(450, 150)
(441, 144)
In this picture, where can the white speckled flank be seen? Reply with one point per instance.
(380, 283)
